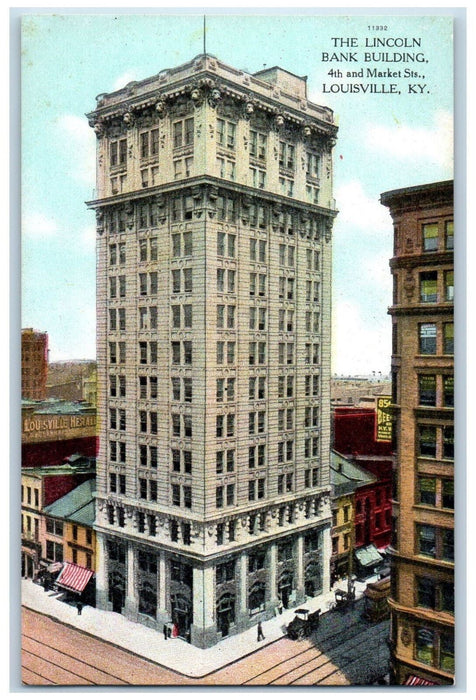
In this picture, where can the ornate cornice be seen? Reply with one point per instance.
(213, 90)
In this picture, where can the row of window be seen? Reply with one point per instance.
(435, 491)
(430, 291)
(435, 648)
(437, 236)
(436, 442)
(30, 496)
(432, 342)
(436, 390)
(182, 136)
(435, 542)
(225, 388)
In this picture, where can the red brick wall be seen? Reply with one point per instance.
(42, 454)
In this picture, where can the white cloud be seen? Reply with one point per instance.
(39, 226)
(122, 80)
(360, 344)
(79, 147)
(357, 210)
(404, 142)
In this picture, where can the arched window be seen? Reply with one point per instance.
(256, 597)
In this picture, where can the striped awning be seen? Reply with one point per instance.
(416, 680)
(74, 578)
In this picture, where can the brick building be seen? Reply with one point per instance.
(355, 437)
(214, 219)
(422, 597)
(39, 488)
(53, 429)
(34, 364)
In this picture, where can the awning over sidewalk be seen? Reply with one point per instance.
(416, 680)
(74, 578)
(368, 556)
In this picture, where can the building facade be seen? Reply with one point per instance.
(53, 430)
(42, 544)
(71, 518)
(34, 364)
(422, 597)
(348, 481)
(214, 216)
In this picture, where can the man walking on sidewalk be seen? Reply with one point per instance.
(260, 632)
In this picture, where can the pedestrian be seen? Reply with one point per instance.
(166, 632)
(79, 607)
(260, 632)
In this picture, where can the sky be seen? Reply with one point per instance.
(385, 142)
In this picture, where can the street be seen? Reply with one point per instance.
(345, 650)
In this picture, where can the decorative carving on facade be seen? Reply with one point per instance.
(406, 637)
(129, 119)
(161, 108)
(409, 285)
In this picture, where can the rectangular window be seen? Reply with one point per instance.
(448, 442)
(447, 494)
(427, 491)
(448, 338)
(449, 285)
(449, 235)
(427, 441)
(427, 389)
(426, 540)
(429, 287)
(430, 237)
(448, 391)
(427, 333)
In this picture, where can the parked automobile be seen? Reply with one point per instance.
(303, 624)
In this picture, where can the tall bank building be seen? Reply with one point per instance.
(214, 214)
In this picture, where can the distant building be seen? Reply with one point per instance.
(422, 597)
(347, 479)
(39, 488)
(54, 429)
(355, 437)
(73, 515)
(360, 392)
(72, 380)
(34, 364)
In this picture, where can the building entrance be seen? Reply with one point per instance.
(225, 614)
(285, 587)
(182, 612)
(117, 591)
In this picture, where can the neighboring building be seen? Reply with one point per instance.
(356, 437)
(72, 380)
(73, 516)
(347, 479)
(34, 364)
(39, 488)
(54, 429)
(89, 388)
(361, 392)
(422, 599)
(214, 218)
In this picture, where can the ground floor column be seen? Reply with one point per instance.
(273, 570)
(326, 559)
(242, 615)
(162, 583)
(131, 603)
(102, 566)
(203, 630)
(300, 590)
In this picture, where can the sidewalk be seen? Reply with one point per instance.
(175, 654)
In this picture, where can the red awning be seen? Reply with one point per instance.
(74, 578)
(416, 680)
